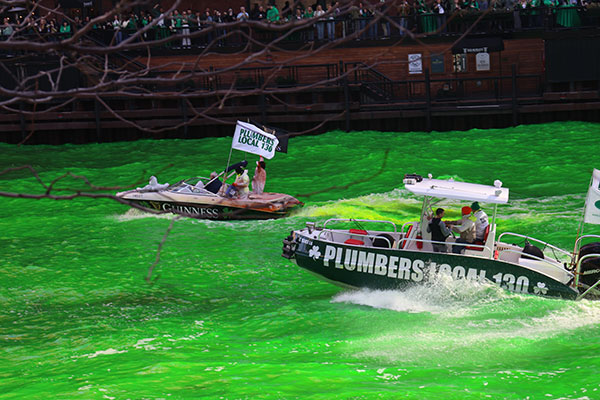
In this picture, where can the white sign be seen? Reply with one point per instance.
(482, 61)
(252, 139)
(592, 201)
(415, 63)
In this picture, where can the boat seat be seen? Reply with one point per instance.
(355, 242)
(480, 242)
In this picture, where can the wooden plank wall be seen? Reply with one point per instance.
(526, 54)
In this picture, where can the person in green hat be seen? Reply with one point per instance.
(481, 221)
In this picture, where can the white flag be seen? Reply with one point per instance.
(252, 139)
(592, 201)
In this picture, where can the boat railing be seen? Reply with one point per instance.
(420, 240)
(529, 238)
(359, 220)
(368, 235)
(560, 268)
(580, 239)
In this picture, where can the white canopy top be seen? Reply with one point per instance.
(450, 189)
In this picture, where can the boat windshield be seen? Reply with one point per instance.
(191, 186)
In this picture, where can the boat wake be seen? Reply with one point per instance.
(135, 214)
(396, 205)
(442, 295)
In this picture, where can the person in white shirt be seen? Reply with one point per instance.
(242, 15)
(438, 8)
(481, 221)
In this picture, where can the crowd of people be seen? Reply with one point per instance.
(328, 21)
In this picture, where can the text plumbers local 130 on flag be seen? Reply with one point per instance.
(251, 139)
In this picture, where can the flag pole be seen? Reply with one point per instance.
(581, 222)
(228, 158)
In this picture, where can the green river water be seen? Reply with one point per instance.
(227, 317)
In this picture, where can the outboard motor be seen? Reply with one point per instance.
(289, 247)
(533, 250)
(590, 267)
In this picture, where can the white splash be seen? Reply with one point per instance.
(100, 353)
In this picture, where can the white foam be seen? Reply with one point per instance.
(442, 295)
(101, 352)
(135, 214)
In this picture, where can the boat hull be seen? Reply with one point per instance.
(215, 208)
(392, 269)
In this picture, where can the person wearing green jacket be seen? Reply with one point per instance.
(273, 14)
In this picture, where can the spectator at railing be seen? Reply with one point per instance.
(42, 27)
(218, 20)
(440, 11)
(353, 18)
(65, 30)
(259, 13)
(404, 12)
(286, 11)
(535, 13)
(320, 24)
(228, 16)
(242, 15)
(186, 42)
(385, 23)
(273, 14)
(130, 25)
(206, 20)
(455, 12)
(330, 23)
(116, 24)
(310, 33)
(52, 27)
(7, 28)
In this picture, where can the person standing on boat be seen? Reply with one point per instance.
(439, 231)
(481, 222)
(466, 228)
(260, 177)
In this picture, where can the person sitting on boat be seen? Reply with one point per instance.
(239, 188)
(153, 186)
(439, 231)
(466, 228)
(260, 177)
(481, 222)
(214, 184)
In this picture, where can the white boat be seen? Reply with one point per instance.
(200, 197)
(366, 254)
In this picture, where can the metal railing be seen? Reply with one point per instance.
(359, 220)
(367, 235)
(544, 244)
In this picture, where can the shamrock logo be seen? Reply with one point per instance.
(540, 288)
(314, 253)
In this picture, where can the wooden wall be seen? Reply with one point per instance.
(526, 54)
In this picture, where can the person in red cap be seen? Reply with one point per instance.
(466, 228)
